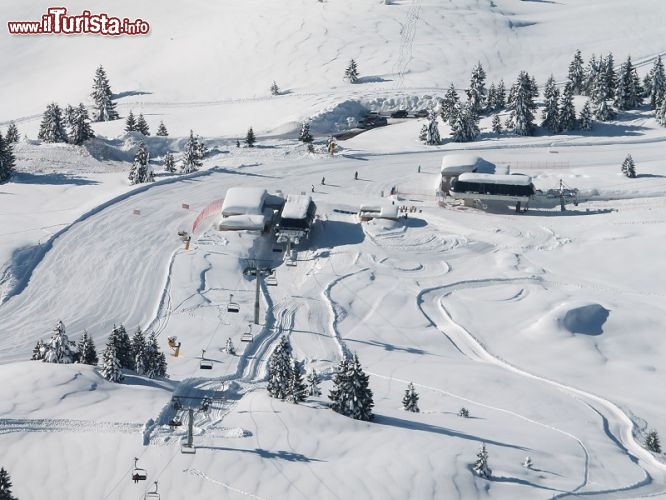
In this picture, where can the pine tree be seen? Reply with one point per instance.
(660, 115)
(313, 382)
(599, 92)
(139, 352)
(476, 93)
(432, 135)
(38, 351)
(522, 106)
(123, 346)
(339, 395)
(111, 369)
(201, 148)
(607, 71)
(576, 74)
(492, 98)
(80, 129)
(52, 127)
(410, 401)
(551, 112)
(87, 351)
(250, 139)
(12, 135)
(156, 365)
(655, 88)
(169, 163)
(465, 127)
(161, 130)
(591, 74)
(351, 395)
(130, 122)
(229, 348)
(500, 96)
(297, 388)
(274, 88)
(423, 134)
(105, 108)
(497, 125)
(142, 125)
(7, 161)
(629, 167)
(629, 89)
(59, 349)
(351, 73)
(5, 485)
(305, 135)
(652, 442)
(139, 170)
(68, 116)
(280, 370)
(481, 465)
(566, 119)
(449, 104)
(585, 118)
(463, 412)
(191, 160)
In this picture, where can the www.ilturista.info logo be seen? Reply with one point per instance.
(57, 22)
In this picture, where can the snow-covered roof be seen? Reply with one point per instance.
(378, 211)
(514, 179)
(238, 222)
(243, 201)
(457, 163)
(296, 206)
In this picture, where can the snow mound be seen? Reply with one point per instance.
(341, 116)
(586, 319)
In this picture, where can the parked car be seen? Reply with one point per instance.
(401, 113)
(422, 113)
(372, 120)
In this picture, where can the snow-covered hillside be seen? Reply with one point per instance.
(545, 325)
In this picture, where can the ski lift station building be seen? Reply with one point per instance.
(455, 164)
(248, 208)
(296, 218)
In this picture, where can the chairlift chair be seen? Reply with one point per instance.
(232, 306)
(205, 364)
(247, 336)
(152, 495)
(175, 422)
(138, 474)
(271, 279)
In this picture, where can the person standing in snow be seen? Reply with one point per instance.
(323, 180)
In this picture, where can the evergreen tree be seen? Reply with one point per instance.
(423, 134)
(229, 348)
(551, 112)
(629, 90)
(410, 401)
(497, 125)
(567, 112)
(463, 412)
(592, 71)
(522, 106)
(52, 128)
(142, 125)
(38, 351)
(492, 98)
(465, 127)
(59, 349)
(305, 135)
(576, 76)
(105, 108)
(161, 130)
(111, 369)
(5, 485)
(139, 352)
(432, 135)
(68, 116)
(660, 115)
(599, 95)
(191, 160)
(585, 119)
(313, 382)
(351, 73)
(87, 351)
(7, 161)
(12, 135)
(274, 88)
(280, 370)
(449, 104)
(80, 129)
(481, 465)
(201, 148)
(130, 122)
(155, 361)
(655, 88)
(339, 395)
(123, 347)
(169, 163)
(250, 138)
(476, 93)
(500, 96)
(652, 442)
(297, 388)
(629, 167)
(351, 395)
(139, 172)
(608, 68)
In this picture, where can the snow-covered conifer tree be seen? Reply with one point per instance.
(351, 73)
(87, 351)
(5, 485)
(52, 128)
(111, 369)
(12, 136)
(38, 351)
(497, 125)
(522, 106)
(130, 122)
(280, 370)
(297, 388)
(423, 133)
(585, 118)
(169, 163)
(140, 167)
(492, 98)
(305, 135)
(313, 382)
(591, 74)
(229, 348)
(655, 88)
(463, 412)
(660, 116)
(7, 161)
(162, 130)
(576, 76)
(156, 365)
(59, 349)
(629, 90)
(142, 125)
(360, 397)
(481, 465)
(139, 351)
(201, 148)
(550, 112)
(465, 127)
(652, 442)
(629, 167)
(432, 134)
(566, 119)
(476, 93)
(123, 346)
(500, 96)
(250, 138)
(105, 108)
(80, 129)
(449, 104)
(274, 88)
(410, 401)
(191, 160)
(339, 395)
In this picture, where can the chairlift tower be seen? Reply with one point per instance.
(188, 447)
